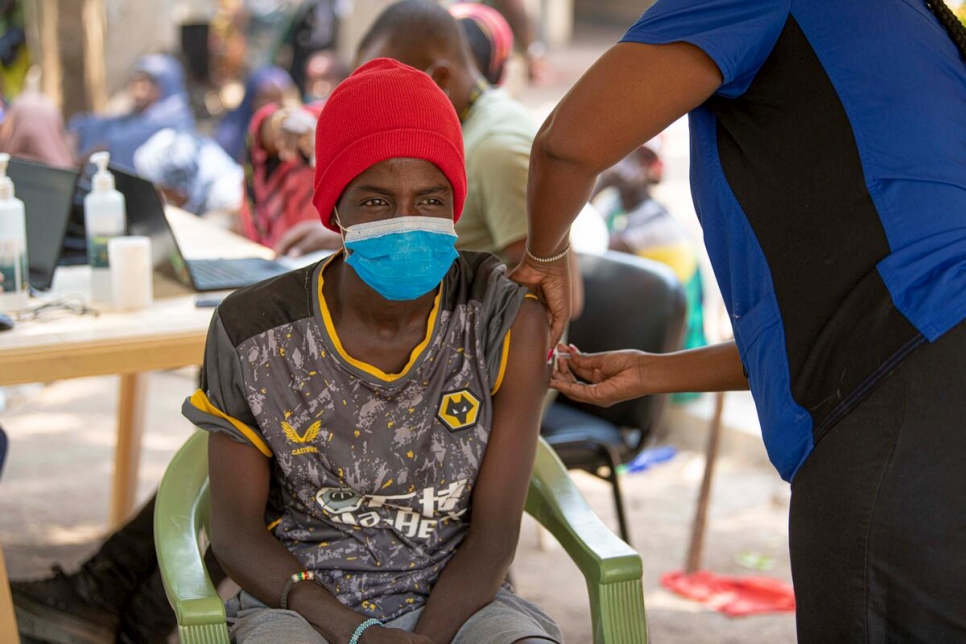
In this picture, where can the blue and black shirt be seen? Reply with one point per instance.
(829, 175)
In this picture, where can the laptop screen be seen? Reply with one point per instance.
(46, 193)
(145, 216)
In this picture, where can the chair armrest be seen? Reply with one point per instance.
(180, 537)
(612, 569)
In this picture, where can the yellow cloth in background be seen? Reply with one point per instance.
(680, 257)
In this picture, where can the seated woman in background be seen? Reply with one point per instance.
(193, 172)
(372, 409)
(265, 86)
(159, 100)
(279, 177)
(640, 225)
(33, 129)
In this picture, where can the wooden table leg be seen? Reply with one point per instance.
(127, 455)
(8, 621)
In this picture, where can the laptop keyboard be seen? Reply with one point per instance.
(216, 274)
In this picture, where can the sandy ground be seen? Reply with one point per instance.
(54, 499)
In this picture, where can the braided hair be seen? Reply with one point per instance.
(949, 21)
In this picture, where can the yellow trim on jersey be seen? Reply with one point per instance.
(365, 366)
(274, 524)
(200, 402)
(504, 355)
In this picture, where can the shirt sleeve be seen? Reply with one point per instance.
(220, 405)
(738, 35)
(503, 164)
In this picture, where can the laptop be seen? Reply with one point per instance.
(47, 193)
(145, 216)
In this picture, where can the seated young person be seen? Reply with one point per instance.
(378, 411)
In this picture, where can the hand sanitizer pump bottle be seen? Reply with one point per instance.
(14, 276)
(104, 218)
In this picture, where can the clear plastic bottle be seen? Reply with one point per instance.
(14, 287)
(104, 219)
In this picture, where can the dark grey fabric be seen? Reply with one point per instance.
(878, 512)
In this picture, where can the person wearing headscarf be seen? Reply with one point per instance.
(33, 129)
(264, 86)
(160, 100)
(279, 174)
(489, 37)
(193, 172)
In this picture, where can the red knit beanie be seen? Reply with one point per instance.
(385, 110)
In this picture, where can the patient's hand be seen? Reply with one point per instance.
(306, 237)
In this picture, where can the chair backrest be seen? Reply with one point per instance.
(630, 303)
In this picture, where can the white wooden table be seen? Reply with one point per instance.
(167, 335)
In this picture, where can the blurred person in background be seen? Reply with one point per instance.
(488, 36)
(265, 86)
(14, 55)
(314, 28)
(279, 177)
(159, 100)
(227, 43)
(641, 225)
(192, 172)
(33, 129)
(525, 37)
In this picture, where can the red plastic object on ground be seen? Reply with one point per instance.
(733, 596)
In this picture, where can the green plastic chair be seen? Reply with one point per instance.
(612, 569)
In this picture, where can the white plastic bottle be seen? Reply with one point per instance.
(104, 219)
(14, 287)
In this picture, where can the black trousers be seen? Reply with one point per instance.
(126, 579)
(877, 527)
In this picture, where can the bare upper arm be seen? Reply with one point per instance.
(504, 478)
(239, 476)
(632, 93)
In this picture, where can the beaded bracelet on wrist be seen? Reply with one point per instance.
(361, 628)
(547, 260)
(305, 575)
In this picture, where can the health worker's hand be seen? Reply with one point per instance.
(602, 379)
(551, 283)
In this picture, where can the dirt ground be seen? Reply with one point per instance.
(54, 499)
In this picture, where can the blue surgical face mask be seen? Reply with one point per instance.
(402, 258)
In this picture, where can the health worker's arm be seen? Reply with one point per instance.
(632, 93)
(608, 378)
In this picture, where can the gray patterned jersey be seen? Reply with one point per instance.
(373, 472)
